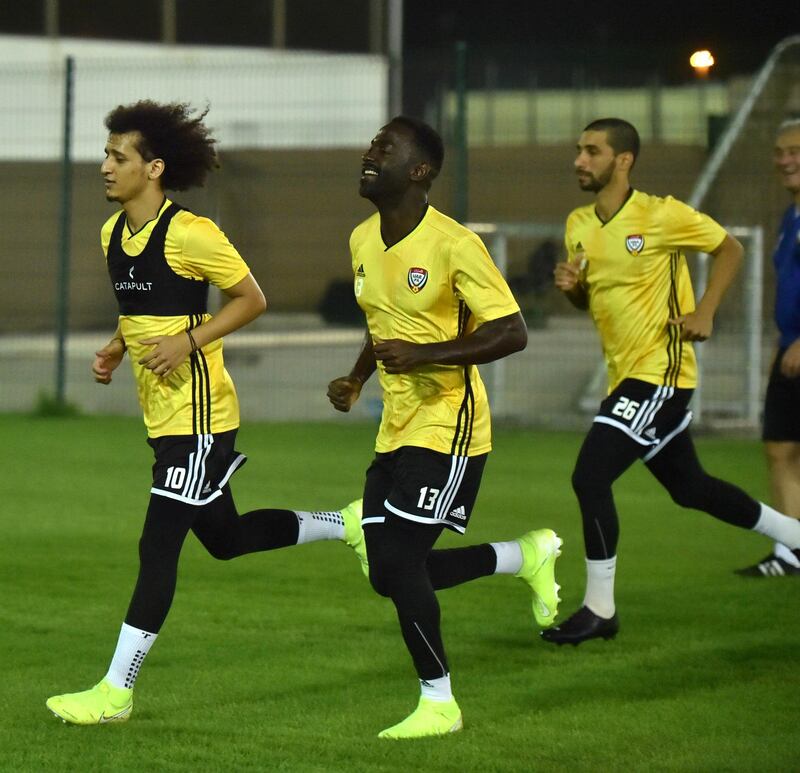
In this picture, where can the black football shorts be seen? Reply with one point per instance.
(423, 486)
(194, 468)
(781, 406)
(648, 413)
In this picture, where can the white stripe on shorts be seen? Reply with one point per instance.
(373, 519)
(626, 429)
(662, 394)
(198, 497)
(682, 426)
(458, 466)
(197, 467)
(432, 521)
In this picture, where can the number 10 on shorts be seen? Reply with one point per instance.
(175, 477)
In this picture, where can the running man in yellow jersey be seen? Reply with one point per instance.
(435, 306)
(626, 264)
(161, 260)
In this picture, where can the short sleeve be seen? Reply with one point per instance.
(479, 282)
(208, 254)
(353, 244)
(106, 231)
(690, 229)
(569, 242)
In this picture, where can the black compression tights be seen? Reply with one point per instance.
(220, 529)
(404, 568)
(606, 453)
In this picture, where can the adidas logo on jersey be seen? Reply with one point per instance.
(458, 513)
(651, 433)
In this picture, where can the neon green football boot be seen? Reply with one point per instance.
(103, 703)
(540, 549)
(354, 533)
(430, 718)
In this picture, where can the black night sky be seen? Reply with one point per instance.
(634, 35)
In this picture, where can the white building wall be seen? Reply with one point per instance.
(257, 98)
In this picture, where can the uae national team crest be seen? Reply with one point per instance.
(417, 278)
(634, 243)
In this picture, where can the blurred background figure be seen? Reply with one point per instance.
(781, 431)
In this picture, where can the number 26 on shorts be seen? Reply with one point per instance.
(625, 408)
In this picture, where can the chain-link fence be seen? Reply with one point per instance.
(291, 128)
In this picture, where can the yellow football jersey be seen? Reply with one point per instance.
(636, 276)
(436, 284)
(194, 399)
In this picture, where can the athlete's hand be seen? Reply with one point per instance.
(790, 363)
(107, 359)
(399, 356)
(168, 353)
(695, 326)
(567, 273)
(343, 392)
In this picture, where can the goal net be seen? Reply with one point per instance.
(561, 378)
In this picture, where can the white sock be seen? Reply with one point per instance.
(600, 586)
(779, 527)
(509, 557)
(319, 525)
(132, 646)
(781, 551)
(436, 689)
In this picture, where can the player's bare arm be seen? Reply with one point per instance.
(567, 275)
(344, 391)
(245, 303)
(491, 341)
(107, 359)
(699, 324)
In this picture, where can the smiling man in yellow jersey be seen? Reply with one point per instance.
(626, 263)
(161, 259)
(435, 306)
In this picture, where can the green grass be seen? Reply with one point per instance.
(288, 662)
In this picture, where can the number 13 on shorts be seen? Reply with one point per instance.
(427, 498)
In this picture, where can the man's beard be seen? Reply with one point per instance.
(595, 184)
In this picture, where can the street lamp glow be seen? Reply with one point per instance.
(701, 61)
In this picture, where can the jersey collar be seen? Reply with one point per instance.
(419, 223)
(131, 234)
(604, 223)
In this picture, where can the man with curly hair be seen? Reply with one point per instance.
(161, 259)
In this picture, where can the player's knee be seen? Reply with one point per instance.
(586, 482)
(386, 577)
(152, 550)
(220, 552)
(380, 583)
(383, 578)
(222, 545)
(684, 498)
(691, 494)
(782, 456)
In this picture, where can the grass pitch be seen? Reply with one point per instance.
(287, 661)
